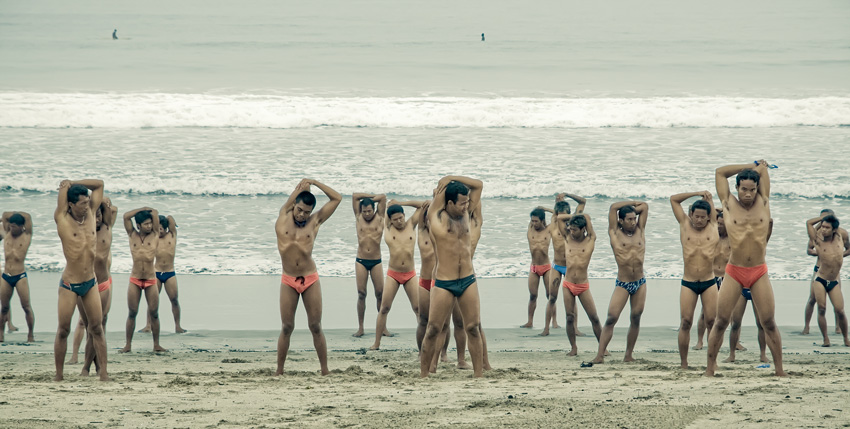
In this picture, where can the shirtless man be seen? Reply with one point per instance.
(747, 223)
(560, 265)
(143, 245)
(104, 221)
(449, 221)
(810, 305)
(370, 227)
(538, 243)
(165, 276)
(627, 231)
(579, 243)
(721, 258)
(699, 237)
(18, 229)
(296, 230)
(400, 237)
(829, 245)
(76, 225)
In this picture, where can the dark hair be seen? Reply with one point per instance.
(367, 202)
(163, 222)
(701, 204)
(832, 220)
(579, 221)
(75, 192)
(539, 214)
(624, 211)
(747, 174)
(17, 219)
(827, 211)
(393, 209)
(307, 198)
(562, 207)
(454, 189)
(142, 216)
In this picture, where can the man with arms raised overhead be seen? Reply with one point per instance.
(810, 304)
(105, 219)
(370, 227)
(18, 229)
(449, 221)
(400, 237)
(296, 230)
(747, 224)
(627, 231)
(538, 243)
(829, 245)
(560, 265)
(75, 223)
(143, 245)
(165, 275)
(699, 237)
(580, 241)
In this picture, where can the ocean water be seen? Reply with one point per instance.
(213, 111)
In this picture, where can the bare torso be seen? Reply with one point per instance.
(103, 253)
(629, 252)
(295, 245)
(452, 242)
(721, 256)
(538, 244)
(143, 251)
(78, 245)
(369, 237)
(577, 257)
(165, 250)
(830, 256)
(698, 250)
(747, 230)
(401, 243)
(428, 260)
(558, 244)
(15, 249)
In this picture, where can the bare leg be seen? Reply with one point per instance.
(553, 287)
(735, 331)
(312, 298)
(837, 321)
(152, 298)
(5, 307)
(147, 328)
(24, 296)
(810, 306)
(67, 303)
(390, 289)
(171, 291)
(637, 303)
(94, 317)
(361, 276)
(460, 337)
(134, 295)
(533, 287)
(837, 299)
(441, 307)
(730, 290)
(569, 310)
(424, 297)
(687, 305)
(761, 337)
(106, 304)
(615, 308)
(700, 330)
(377, 275)
(485, 358)
(820, 297)
(78, 340)
(470, 309)
(763, 302)
(288, 305)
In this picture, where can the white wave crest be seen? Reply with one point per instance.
(139, 110)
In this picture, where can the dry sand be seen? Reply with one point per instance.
(221, 378)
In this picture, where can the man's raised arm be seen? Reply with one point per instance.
(172, 225)
(330, 207)
(810, 228)
(612, 213)
(642, 212)
(579, 200)
(110, 212)
(561, 220)
(721, 179)
(590, 232)
(476, 187)
(128, 218)
(764, 178)
(676, 203)
(302, 186)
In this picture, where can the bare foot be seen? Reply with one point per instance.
(145, 330)
(846, 342)
(805, 331)
(325, 371)
(13, 328)
(388, 334)
(607, 353)
(826, 343)
(730, 359)
(105, 377)
(708, 373)
(780, 373)
(580, 334)
(358, 334)
(462, 364)
(58, 377)
(628, 359)
(375, 347)
(30, 338)
(598, 360)
(180, 330)
(545, 332)
(685, 366)
(764, 359)
(72, 361)
(838, 330)
(740, 347)
(126, 349)
(432, 370)
(444, 357)
(487, 367)
(84, 373)
(555, 326)
(573, 352)
(527, 326)
(699, 346)
(278, 372)
(159, 349)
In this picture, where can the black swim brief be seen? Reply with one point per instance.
(456, 287)
(368, 263)
(13, 280)
(78, 288)
(164, 276)
(828, 285)
(699, 287)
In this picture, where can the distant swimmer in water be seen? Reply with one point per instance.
(482, 36)
(115, 35)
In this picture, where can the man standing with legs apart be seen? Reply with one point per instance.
(747, 223)
(829, 245)
(18, 229)
(165, 276)
(296, 230)
(449, 221)
(538, 243)
(627, 231)
(699, 237)
(811, 251)
(75, 224)
(560, 265)
(401, 240)
(580, 241)
(105, 219)
(370, 226)
(143, 244)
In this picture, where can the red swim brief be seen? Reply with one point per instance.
(103, 287)
(300, 283)
(541, 269)
(426, 284)
(401, 278)
(576, 289)
(746, 276)
(141, 283)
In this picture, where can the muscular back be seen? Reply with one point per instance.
(452, 242)
(78, 245)
(295, 245)
(369, 237)
(747, 230)
(698, 250)
(629, 252)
